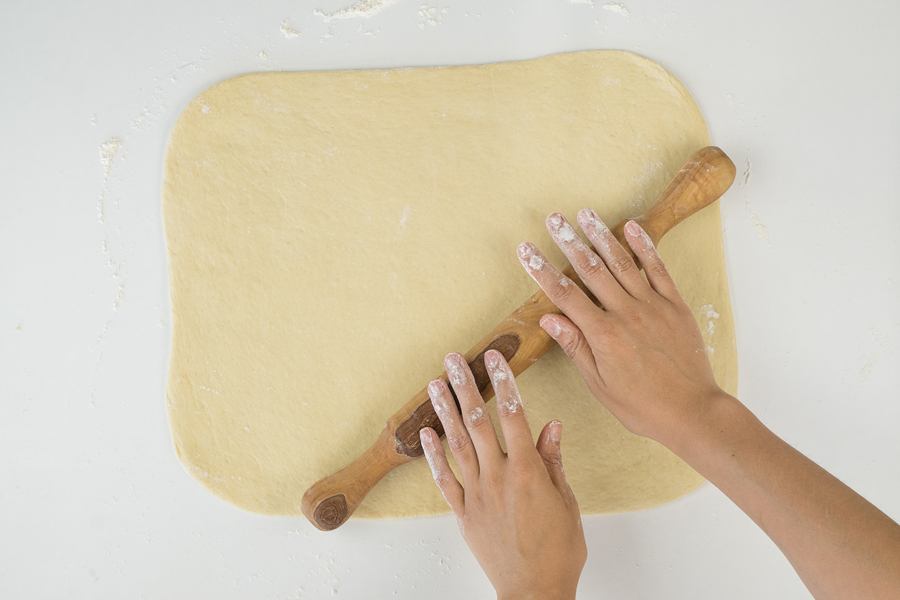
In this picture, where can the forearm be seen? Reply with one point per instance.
(840, 545)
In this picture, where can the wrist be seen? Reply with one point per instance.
(539, 591)
(707, 426)
(537, 595)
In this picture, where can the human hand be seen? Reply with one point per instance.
(640, 351)
(515, 510)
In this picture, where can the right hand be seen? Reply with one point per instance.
(640, 352)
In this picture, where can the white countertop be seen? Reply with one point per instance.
(803, 96)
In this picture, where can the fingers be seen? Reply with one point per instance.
(440, 470)
(589, 266)
(475, 416)
(509, 406)
(620, 263)
(654, 267)
(561, 290)
(457, 435)
(576, 346)
(548, 447)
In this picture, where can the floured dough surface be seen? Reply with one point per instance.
(332, 235)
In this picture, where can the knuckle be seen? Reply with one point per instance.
(521, 472)
(441, 479)
(632, 318)
(601, 329)
(658, 267)
(495, 481)
(553, 457)
(590, 266)
(509, 406)
(622, 264)
(571, 344)
(457, 442)
(563, 289)
(476, 418)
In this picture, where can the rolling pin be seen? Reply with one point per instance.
(329, 502)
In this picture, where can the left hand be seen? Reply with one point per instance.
(515, 510)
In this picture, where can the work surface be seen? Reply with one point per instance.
(93, 502)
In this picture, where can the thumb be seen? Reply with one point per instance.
(548, 447)
(572, 341)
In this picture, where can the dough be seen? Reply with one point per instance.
(332, 235)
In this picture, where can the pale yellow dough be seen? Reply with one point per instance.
(332, 235)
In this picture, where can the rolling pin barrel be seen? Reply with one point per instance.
(329, 502)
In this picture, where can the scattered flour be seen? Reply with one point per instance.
(430, 15)
(567, 233)
(404, 218)
(435, 471)
(363, 8)
(866, 370)
(288, 31)
(108, 152)
(513, 403)
(457, 376)
(710, 315)
(617, 8)
(475, 415)
(761, 230)
(536, 262)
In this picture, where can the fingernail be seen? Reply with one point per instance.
(455, 370)
(425, 437)
(560, 229)
(427, 448)
(499, 374)
(555, 431)
(435, 388)
(492, 359)
(589, 217)
(529, 257)
(636, 230)
(551, 326)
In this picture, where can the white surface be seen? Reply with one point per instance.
(93, 502)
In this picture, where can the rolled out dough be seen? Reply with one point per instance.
(332, 235)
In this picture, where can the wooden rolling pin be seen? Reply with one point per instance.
(329, 502)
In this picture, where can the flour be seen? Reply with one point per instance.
(108, 153)
(404, 217)
(709, 314)
(612, 6)
(762, 232)
(363, 8)
(455, 371)
(617, 8)
(536, 262)
(429, 15)
(475, 416)
(567, 233)
(432, 463)
(288, 31)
